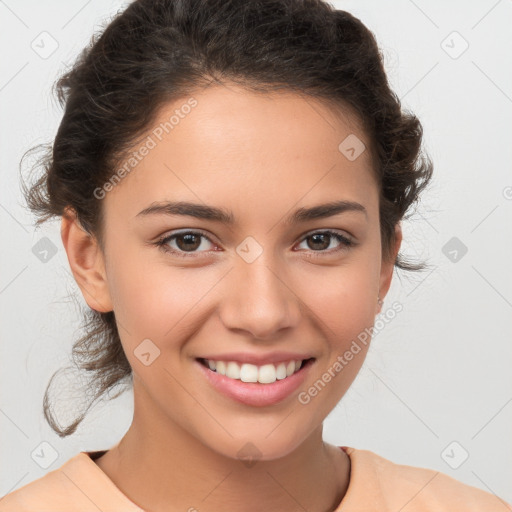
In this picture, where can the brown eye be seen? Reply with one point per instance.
(321, 241)
(188, 241)
(185, 242)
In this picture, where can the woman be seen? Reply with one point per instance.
(231, 178)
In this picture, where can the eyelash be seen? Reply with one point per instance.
(162, 243)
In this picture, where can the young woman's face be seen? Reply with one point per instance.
(268, 282)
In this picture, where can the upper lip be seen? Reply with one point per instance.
(258, 359)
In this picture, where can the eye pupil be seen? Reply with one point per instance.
(189, 237)
(317, 239)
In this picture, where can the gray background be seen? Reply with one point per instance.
(439, 373)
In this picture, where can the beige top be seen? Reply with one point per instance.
(376, 484)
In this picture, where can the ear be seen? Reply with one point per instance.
(87, 264)
(387, 267)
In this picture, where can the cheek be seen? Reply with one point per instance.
(345, 296)
(156, 301)
(345, 315)
(140, 296)
(344, 301)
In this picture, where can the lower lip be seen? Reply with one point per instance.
(255, 393)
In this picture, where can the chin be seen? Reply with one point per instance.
(250, 450)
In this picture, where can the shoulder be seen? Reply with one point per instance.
(395, 486)
(53, 492)
(78, 485)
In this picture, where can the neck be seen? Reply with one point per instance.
(158, 465)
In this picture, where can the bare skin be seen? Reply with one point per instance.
(261, 157)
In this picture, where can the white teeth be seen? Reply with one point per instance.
(249, 373)
(265, 374)
(281, 371)
(232, 370)
(220, 367)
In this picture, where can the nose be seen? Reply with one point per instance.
(258, 299)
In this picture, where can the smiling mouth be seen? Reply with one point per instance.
(263, 374)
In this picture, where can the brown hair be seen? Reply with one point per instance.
(157, 51)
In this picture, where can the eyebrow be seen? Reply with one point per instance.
(212, 213)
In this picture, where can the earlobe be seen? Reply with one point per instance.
(387, 268)
(86, 262)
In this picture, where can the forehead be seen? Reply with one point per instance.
(245, 148)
